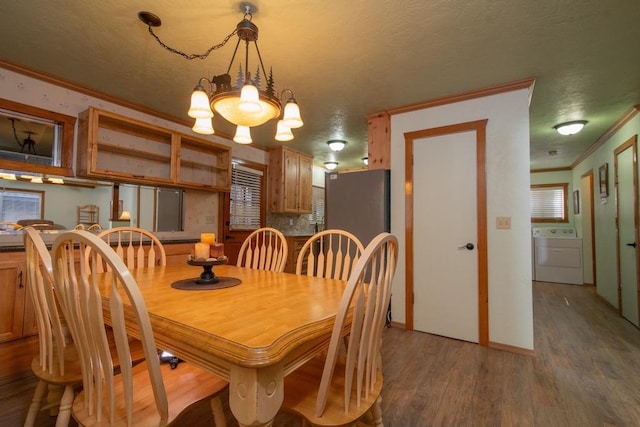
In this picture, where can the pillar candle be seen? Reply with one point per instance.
(208, 238)
(202, 251)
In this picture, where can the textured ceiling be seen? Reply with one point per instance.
(346, 60)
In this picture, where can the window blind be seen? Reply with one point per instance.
(16, 205)
(548, 203)
(245, 198)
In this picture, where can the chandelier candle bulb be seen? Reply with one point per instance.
(208, 238)
(202, 251)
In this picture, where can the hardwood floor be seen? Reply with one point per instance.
(585, 373)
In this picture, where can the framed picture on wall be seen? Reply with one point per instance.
(604, 180)
(576, 202)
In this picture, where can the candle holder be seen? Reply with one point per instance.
(208, 276)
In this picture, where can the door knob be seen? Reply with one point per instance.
(632, 244)
(468, 246)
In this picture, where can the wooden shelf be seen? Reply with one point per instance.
(115, 147)
(132, 152)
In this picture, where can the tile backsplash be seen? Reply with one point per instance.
(293, 225)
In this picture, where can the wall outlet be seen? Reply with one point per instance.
(503, 222)
(208, 219)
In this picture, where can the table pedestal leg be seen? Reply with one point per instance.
(255, 395)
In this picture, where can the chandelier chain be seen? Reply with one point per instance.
(192, 55)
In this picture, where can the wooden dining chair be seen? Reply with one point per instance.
(136, 246)
(95, 228)
(264, 249)
(57, 364)
(346, 385)
(330, 253)
(147, 394)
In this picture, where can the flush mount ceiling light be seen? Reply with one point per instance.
(337, 144)
(570, 128)
(245, 103)
(330, 165)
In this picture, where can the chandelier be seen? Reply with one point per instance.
(244, 103)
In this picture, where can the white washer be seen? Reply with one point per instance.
(557, 255)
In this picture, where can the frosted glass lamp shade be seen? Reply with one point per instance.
(283, 133)
(570, 128)
(200, 107)
(249, 99)
(292, 118)
(203, 126)
(336, 144)
(243, 135)
(330, 165)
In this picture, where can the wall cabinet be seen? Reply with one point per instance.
(115, 147)
(290, 181)
(17, 318)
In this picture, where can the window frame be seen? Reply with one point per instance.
(565, 190)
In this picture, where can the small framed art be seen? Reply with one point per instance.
(603, 174)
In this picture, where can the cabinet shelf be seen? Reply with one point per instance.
(119, 148)
(132, 152)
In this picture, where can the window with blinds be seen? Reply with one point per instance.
(317, 206)
(16, 205)
(549, 203)
(245, 198)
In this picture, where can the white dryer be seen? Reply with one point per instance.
(557, 255)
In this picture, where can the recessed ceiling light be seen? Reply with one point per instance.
(337, 144)
(570, 128)
(330, 165)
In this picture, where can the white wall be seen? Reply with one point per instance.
(605, 210)
(508, 180)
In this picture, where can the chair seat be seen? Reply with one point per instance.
(188, 386)
(301, 388)
(72, 369)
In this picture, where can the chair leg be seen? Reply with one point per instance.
(218, 412)
(54, 395)
(36, 403)
(64, 414)
(376, 412)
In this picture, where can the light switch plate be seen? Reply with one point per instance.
(503, 222)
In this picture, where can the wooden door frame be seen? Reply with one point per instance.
(592, 225)
(479, 127)
(630, 143)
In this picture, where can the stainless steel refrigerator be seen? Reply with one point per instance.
(358, 202)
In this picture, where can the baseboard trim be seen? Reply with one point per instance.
(512, 349)
(398, 325)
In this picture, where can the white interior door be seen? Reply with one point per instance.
(627, 249)
(445, 221)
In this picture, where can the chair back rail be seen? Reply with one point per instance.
(330, 253)
(137, 247)
(264, 249)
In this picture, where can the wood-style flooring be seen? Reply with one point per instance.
(585, 372)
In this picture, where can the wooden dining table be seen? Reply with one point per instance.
(252, 334)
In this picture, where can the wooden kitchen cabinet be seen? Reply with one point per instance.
(294, 245)
(290, 181)
(116, 147)
(17, 319)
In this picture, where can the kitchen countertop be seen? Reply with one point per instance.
(13, 242)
